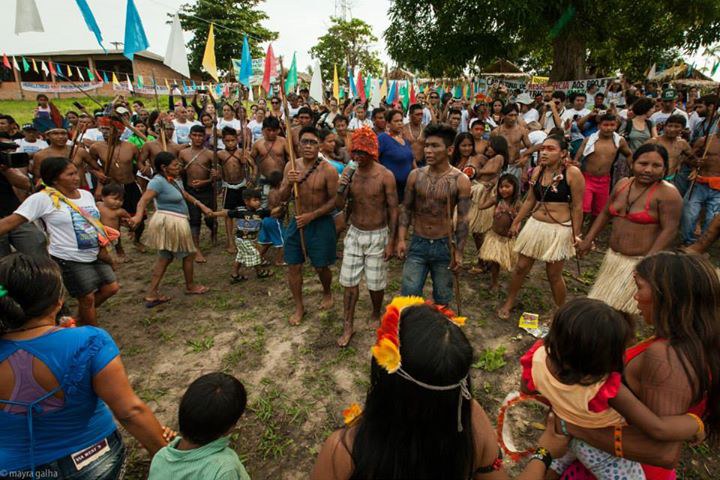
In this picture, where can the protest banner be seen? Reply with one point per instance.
(60, 87)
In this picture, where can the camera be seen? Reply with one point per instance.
(12, 159)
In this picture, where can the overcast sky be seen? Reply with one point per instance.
(298, 22)
(298, 27)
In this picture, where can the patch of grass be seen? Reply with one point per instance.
(201, 345)
(491, 360)
(232, 358)
(152, 320)
(132, 350)
(152, 394)
(166, 337)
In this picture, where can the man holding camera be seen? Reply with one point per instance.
(14, 180)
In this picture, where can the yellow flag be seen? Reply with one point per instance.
(167, 85)
(336, 85)
(208, 61)
(114, 79)
(35, 66)
(69, 71)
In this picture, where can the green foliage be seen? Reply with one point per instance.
(629, 35)
(237, 15)
(347, 43)
(491, 360)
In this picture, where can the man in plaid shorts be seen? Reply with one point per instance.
(370, 196)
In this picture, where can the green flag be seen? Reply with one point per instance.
(342, 93)
(368, 82)
(292, 78)
(404, 97)
(91, 75)
(712, 72)
(26, 65)
(140, 83)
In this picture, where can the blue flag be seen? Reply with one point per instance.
(105, 79)
(135, 39)
(392, 94)
(185, 87)
(245, 64)
(194, 85)
(351, 82)
(90, 21)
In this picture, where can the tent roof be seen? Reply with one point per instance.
(502, 66)
(679, 72)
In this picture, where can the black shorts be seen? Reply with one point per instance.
(83, 278)
(132, 197)
(233, 198)
(204, 196)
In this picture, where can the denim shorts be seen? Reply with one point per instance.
(81, 278)
(109, 465)
(428, 256)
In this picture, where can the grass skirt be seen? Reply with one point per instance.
(548, 242)
(499, 249)
(169, 231)
(614, 283)
(480, 221)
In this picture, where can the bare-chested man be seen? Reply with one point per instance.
(236, 172)
(270, 153)
(596, 157)
(517, 138)
(199, 175)
(705, 192)
(431, 195)
(150, 149)
(117, 157)
(679, 150)
(313, 227)
(413, 132)
(372, 211)
(304, 119)
(646, 211)
(58, 147)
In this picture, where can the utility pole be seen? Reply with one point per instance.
(343, 9)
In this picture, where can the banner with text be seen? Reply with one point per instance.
(60, 87)
(537, 88)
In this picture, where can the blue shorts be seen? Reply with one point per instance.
(271, 232)
(320, 241)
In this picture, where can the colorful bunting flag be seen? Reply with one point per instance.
(135, 38)
(176, 55)
(52, 68)
(140, 82)
(35, 69)
(115, 80)
(44, 68)
(129, 83)
(69, 72)
(270, 69)
(336, 83)
(316, 83)
(104, 77)
(91, 75)
(79, 72)
(413, 99)
(351, 82)
(208, 61)
(360, 86)
(392, 94)
(167, 85)
(15, 64)
(6, 62)
(368, 85)
(291, 80)
(245, 64)
(26, 65)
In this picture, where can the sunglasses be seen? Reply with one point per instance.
(275, 103)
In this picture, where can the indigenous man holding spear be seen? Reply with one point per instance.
(434, 248)
(313, 183)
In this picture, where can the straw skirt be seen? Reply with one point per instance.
(169, 231)
(499, 249)
(548, 242)
(615, 284)
(480, 221)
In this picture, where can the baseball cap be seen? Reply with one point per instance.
(524, 98)
(669, 94)
(29, 126)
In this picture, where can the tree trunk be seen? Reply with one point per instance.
(568, 57)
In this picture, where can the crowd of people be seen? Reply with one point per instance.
(526, 178)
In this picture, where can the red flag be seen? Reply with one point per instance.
(52, 68)
(6, 62)
(98, 77)
(412, 93)
(360, 86)
(270, 68)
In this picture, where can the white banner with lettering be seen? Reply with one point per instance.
(566, 86)
(60, 87)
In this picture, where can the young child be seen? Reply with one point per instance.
(249, 218)
(209, 410)
(112, 214)
(497, 248)
(579, 369)
(271, 231)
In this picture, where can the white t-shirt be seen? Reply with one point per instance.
(93, 134)
(356, 123)
(255, 128)
(28, 147)
(531, 115)
(71, 236)
(181, 135)
(574, 115)
(550, 121)
(659, 118)
(536, 137)
(234, 123)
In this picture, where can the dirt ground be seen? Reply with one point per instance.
(297, 378)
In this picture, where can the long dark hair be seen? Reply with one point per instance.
(686, 312)
(509, 177)
(455, 159)
(51, 168)
(500, 146)
(407, 431)
(653, 147)
(34, 286)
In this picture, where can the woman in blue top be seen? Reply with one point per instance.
(169, 228)
(395, 152)
(60, 387)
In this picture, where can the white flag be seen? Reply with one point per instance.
(44, 68)
(316, 84)
(375, 94)
(651, 72)
(80, 74)
(129, 83)
(15, 64)
(175, 55)
(27, 17)
(251, 95)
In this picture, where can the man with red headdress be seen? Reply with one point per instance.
(370, 198)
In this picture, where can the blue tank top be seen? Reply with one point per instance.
(74, 356)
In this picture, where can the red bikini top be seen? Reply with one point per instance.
(643, 217)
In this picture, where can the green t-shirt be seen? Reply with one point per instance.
(214, 461)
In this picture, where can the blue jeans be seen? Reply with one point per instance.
(108, 466)
(26, 238)
(428, 256)
(701, 196)
(682, 179)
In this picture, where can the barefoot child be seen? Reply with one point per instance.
(271, 231)
(579, 369)
(112, 214)
(249, 218)
(497, 248)
(209, 410)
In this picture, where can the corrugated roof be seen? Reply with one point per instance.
(72, 53)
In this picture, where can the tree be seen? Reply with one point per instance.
(347, 43)
(235, 16)
(445, 37)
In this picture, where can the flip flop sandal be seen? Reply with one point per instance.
(200, 291)
(155, 302)
(237, 278)
(264, 273)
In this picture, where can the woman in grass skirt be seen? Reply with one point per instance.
(169, 228)
(555, 205)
